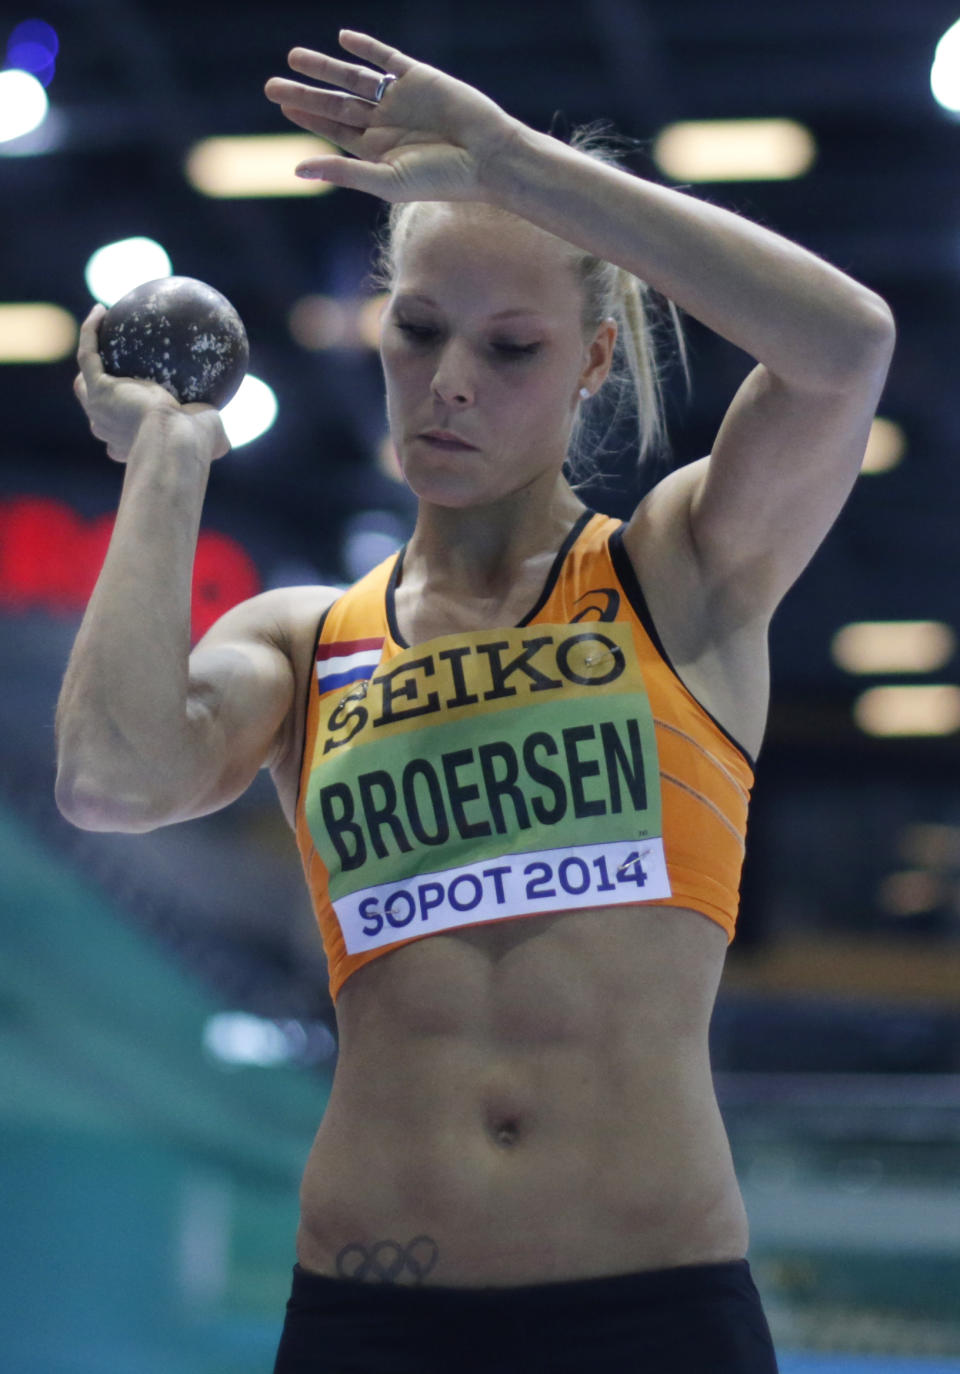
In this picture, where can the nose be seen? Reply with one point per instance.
(454, 381)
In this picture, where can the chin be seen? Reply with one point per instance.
(456, 490)
(449, 496)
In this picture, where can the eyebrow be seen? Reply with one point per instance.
(500, 314)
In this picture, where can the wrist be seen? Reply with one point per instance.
(511, 167)
(501, 168)
(174, 437)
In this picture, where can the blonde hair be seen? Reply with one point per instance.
(634, 387)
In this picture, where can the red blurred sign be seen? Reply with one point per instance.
(50, 558)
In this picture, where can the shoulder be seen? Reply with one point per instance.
(286, 619)
(265, 644)
(715, 640)
(659, 542)
(274, 634)
(282, 618)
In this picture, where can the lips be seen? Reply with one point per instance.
(444, 438)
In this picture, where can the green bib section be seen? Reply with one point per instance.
(471, 747)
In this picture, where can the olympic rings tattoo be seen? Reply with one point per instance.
(386, 1261)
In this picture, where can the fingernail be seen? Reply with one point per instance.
(310, 172)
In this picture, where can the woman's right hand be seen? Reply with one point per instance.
(118, 406)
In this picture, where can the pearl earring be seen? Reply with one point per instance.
(584, 394)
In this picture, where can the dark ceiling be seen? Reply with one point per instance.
(137, 84)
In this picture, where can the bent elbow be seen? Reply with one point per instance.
(91, 806)
(857, 353)
(875, 337)
(881, 327)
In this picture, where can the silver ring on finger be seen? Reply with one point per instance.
(385, 81)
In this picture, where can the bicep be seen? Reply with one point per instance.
(784, 462)
(240, 695)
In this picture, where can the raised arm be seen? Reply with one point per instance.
(148, 733)
(793, 439)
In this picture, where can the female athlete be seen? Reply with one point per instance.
(517, 756)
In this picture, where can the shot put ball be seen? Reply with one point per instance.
(181, 333)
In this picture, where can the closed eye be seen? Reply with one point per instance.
(416, 331)
(517, 350)
(425, 333)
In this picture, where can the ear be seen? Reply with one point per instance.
(599, 355)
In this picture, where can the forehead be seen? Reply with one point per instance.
(470, 257)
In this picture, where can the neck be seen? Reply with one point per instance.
(481, 551)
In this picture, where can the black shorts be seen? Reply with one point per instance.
(698, 1319)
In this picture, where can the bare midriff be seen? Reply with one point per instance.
(527, 1101)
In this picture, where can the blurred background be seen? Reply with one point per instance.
(166, 1037)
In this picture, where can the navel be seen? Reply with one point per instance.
(505, 1131)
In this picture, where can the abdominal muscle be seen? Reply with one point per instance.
(526, 1101)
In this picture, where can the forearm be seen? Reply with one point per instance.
(807, 322)
(123, 733)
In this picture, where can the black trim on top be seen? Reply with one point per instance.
(306, 706)
(556, 566)
(389, 598)
(548, 586)
(627, 576)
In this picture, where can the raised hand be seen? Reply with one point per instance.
(117, 406)
(430, 137)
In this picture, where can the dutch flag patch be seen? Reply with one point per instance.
(348, 660)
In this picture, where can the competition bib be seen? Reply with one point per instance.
(481, 776)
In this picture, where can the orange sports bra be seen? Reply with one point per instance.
(554, 765)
